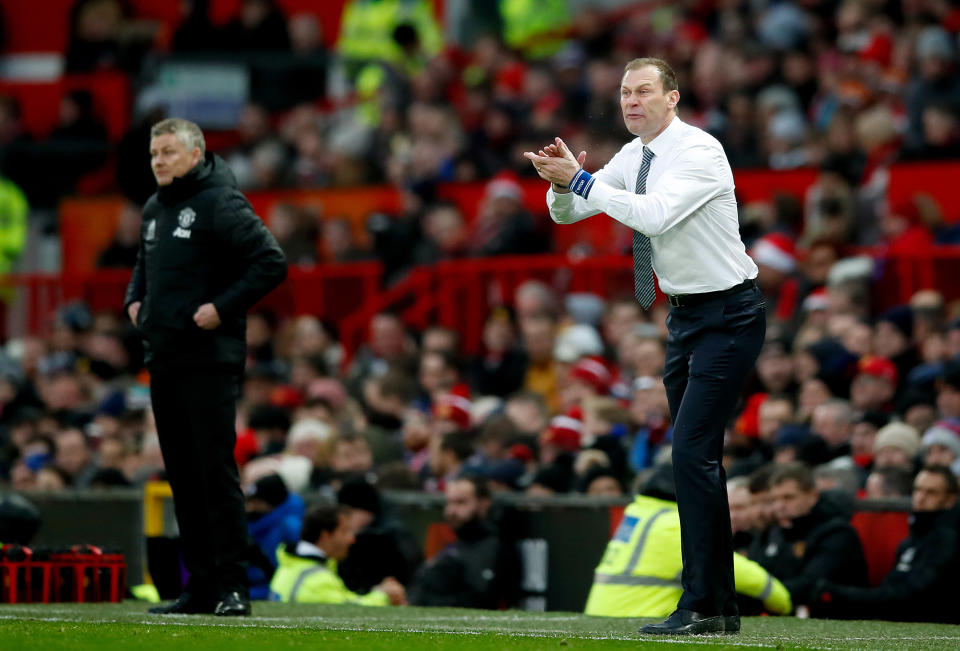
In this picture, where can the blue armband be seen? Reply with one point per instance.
(581, 183)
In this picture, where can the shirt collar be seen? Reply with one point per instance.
(667, 138)
(308, 549)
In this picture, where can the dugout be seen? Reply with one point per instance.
(560, 538)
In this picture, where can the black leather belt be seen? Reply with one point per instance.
(687, 300)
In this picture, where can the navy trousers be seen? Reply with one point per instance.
(711, 348)
(195, 410)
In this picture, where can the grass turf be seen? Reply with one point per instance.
(276, 627)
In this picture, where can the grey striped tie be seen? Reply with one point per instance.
(643, 287)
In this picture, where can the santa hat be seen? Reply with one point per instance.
(816, 300)
(593, 371)
(454, 406)
(775, 250)
(565, 430)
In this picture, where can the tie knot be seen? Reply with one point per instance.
(647, 154)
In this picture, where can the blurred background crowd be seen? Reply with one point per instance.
(566, 394)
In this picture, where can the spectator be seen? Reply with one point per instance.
(863, 439)
(890, 482)
(538, 333)
(296, 234)
(449, 458)
(875, 384)
(650, 413)
(941, 445)
(337, 242)
(122, 252)
(922, 580)
(937, 82)
(388, 344)
(948, 391)
(439, 373)
(350, 455)
(260, 26)
(480, 569)
(274, 517)
(638, 574)
(832, 428)
(75, 458)
(383, 547)
(504, 226)
(812, 540)
(896, 446)
(500, 369)
(445, 235)
(308, 572)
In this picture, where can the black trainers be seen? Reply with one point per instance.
(232, 605)
(185, 604)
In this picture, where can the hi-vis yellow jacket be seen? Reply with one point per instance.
(639, 575)
(315, 581)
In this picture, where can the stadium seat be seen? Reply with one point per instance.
(881, 532)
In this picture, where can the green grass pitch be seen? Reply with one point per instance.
(275, 627)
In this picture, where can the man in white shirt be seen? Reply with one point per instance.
(673, 186)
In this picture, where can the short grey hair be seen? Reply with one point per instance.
(840, 409)
(186, 132)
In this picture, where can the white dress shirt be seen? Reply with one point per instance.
(689, 210)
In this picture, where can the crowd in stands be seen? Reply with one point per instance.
(566, 396)
(850, 86)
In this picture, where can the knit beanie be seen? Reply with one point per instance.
(945, 433)
(898, 435)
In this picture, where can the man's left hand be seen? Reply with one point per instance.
(207, 316)
(556, 163)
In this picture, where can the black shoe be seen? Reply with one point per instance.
(232, 605)
(688, 622)
(185, 604)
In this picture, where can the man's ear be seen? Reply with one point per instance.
(197, 155)
(674, 98)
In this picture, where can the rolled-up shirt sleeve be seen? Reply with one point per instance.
(694, 178)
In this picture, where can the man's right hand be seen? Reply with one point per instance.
(557, 150)
(132, 310)
(393, 589)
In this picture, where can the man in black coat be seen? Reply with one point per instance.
(922, 585)
(814, 539)
(382, 548)
(478, 570)
(205, 259)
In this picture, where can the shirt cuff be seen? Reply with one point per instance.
(581, 183)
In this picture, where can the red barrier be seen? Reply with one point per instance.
(457, 294)
(329, 292)
(40, 101)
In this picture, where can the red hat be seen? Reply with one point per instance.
(880, 367)
(593, 371)
(748, 423)
(565, 430)
(816, 300)
(775, 250)
(521, 452)
(286, 397)
(879, 50)
(454, 406)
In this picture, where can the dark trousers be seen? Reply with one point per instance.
(195, 411)
(711, 348)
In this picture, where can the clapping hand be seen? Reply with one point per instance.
(556, 163)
